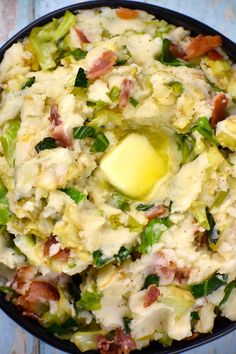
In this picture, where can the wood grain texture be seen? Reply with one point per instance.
(220, 14)
(8, 18)
(14, 340)
(14, 15)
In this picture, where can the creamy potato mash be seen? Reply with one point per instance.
(118, 179)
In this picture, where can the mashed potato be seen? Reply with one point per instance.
(117, 179)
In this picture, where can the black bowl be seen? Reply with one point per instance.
(222, 325)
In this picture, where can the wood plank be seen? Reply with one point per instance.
(14, 15)
(15, 340)
(221, 15)
(8, 9)
(44, 6)
(25, 13)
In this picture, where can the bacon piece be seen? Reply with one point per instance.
(182, 274)
(157, 211)
(122, 343)
(39, 290)
(103, 344)
(193, 336)
(51, 241)
(30, 307)
(219, 105)
(62, 254)
(126, 14)
(177, 51)
(22, 279)
(200, 45)
(54, 117)
(201, 239)
(163, 267)
(151, 295)
(58, 131)
(126, 88)
(63, 139)
(81, 35)
(166, 274)
(136, 255)
(167, 270)
(102, 65)
(214, 55)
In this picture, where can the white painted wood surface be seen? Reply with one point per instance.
(14, 15)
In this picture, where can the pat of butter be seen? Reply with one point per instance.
(133, 166)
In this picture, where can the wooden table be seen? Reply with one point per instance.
(14, 15)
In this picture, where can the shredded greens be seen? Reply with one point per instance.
(8, 140)
(203, 127)
(121, 201)
(167, 57)
(76, 195)
(228, 290)
(209, 285)
(44, 42)
(151, 279)
(114, 93)
(152, 233)
(89, 301)
(133, 101)
(123, 254)
(99, 259)
(46, 143)
(29, 82)
(81, 79)
(100, 143)
(4, 208)
(84, 132)
(186, 144)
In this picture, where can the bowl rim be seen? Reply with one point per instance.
(196, 27)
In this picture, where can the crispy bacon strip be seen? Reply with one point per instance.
(201, 44)
(102, 65)
(63, 139)
(62, 254)
(122, 343)
(214, 55)
(54, 117)
(193, 336)
(177, 51)
(51, 241)
(58, 131)
(201, 239)
(157, 211)
(167, 270)
(81, 35)
(22, 279)
(163, 267)
(219, 105)
(126, 88)
(37, 292)
(151, 295)
(29, 307)
(42, 290)
(126, 14)
(103, 344)
(166, 274)
(182, 274)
